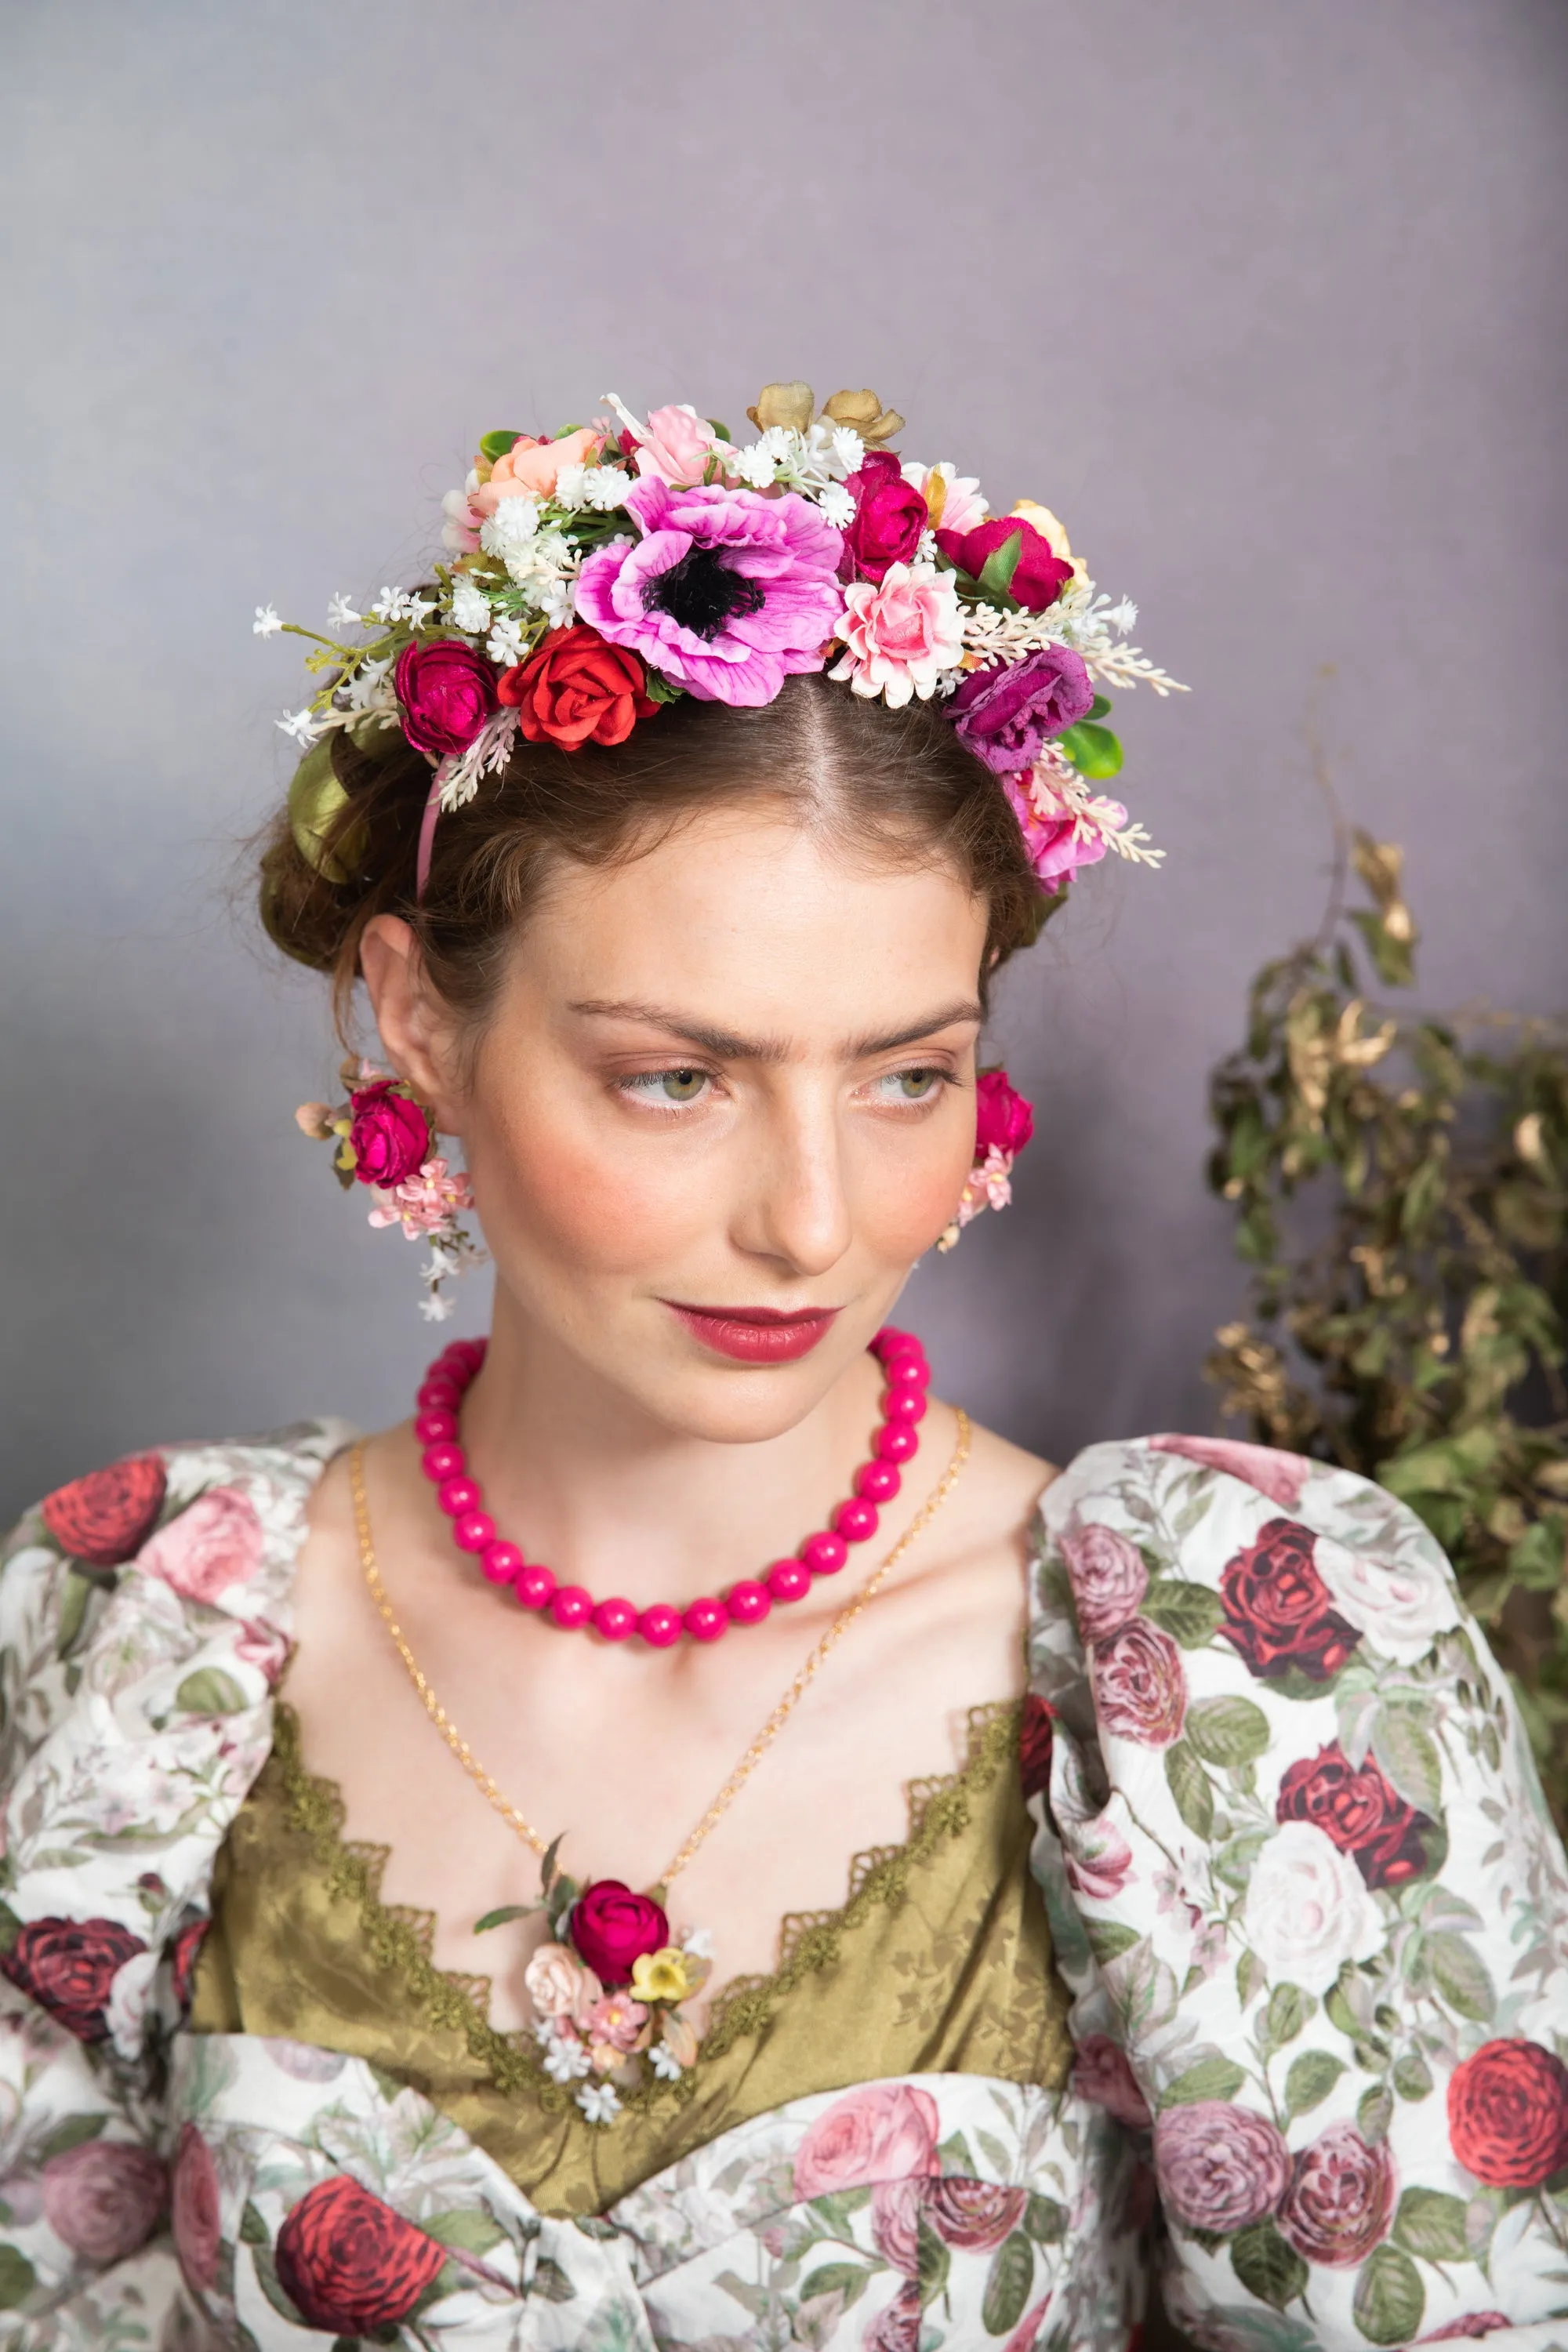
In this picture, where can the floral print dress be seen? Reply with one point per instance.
(1301, 1884)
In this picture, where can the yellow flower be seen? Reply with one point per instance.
(1053, 533)
(665, 1975)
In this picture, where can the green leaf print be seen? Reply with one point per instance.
(1007, 2287)
(1190, 1613)
(1389, 2297)
(1432, 2224)
(1312, 2078)
(1211, 2078)
(1190, 1790)
(1267, 2265)
(1227, 1731)
(1460, 1976)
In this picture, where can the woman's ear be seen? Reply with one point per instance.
(417, 1028)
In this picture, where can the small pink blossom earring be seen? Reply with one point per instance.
(386, 1140)
(1004, 1122)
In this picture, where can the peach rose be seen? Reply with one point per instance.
(559, 1985)
(885, 2132)
(215, 1544)
(530, 467)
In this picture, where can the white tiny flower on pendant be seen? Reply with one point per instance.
(665, 2062)
(265, 624)
(698, 1942)
(566, 2061)
(599, 2102)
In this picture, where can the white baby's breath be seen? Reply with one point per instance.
(837, 506)
(507, 532)
(848, 449)
(505, 642)
(607, 487)
(471, 609)
(265, 624)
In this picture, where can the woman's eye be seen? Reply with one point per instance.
(910, 1085)
(668, 1085)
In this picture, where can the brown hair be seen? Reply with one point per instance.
(900, 782)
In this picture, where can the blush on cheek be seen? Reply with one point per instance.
(582, 1213)
(905, 1215)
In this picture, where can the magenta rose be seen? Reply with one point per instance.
(890, 517)
(446, 692)
(1101, 2072)
(1341, 2199)
(1005, 714)
(69, 1967)
(1140, 1690)
(1109, 1576)
(1277, 1609)
(214, 1544)
(1357, 1809)
(104, 2197)
(195, 2212)
(975, 2215)
(612, 1927)
(349, 2264)
(391, 1134)
(1003, 1119)
(885, 2131)
(1036, 1735)
(1040, 576)
(1221, 2166)
(105, 1518)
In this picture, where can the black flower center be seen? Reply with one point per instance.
(702, 593)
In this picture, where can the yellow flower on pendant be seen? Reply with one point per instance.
(666, 1975)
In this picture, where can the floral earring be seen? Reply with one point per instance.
(387, 1139)
(1004, 1122)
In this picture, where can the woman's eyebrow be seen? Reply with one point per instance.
(726, 1047)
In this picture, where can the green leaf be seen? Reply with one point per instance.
(1389, 2298)
(933, 2262)
(253, 2229)
(1409, 1754)
(1227, 1731)
(1432, 2224)
(996, 579)
(1099, 708)
(1267, 2265)
(470, 2227)
(71, 2134)
(504, 1917)
(1251, 1975)
(1190, 1613)
(1373, 2114)
(1094, 750)
(848, 2279)
(1412, 2076)
(76, 1592)
(1460, 1976)
(1190, 1790)
(1007, 2287)
(659, 688)
(209, 1691)
(1045, 2219)
(1288, 2013)
(495, 446)
(1107, 1938)
(18, 2277)
(1235, 1861)
(1310, 2078)
(1211, 2078)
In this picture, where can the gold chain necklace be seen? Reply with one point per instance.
(484, 1781)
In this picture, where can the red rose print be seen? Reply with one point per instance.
(349, 2262)
(1278, 1611)
(1035, 1736)
(975, 2215)
(195, 2212)
(1341, 2199)
(1508, 2115)
(69, 1967)
(1101, 2072)
(108, 1516)
(1359, 1811)
(182, 1958)
(1140, 1690)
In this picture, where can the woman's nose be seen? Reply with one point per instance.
(796, 1208)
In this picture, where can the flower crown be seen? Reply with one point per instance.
(613, 567)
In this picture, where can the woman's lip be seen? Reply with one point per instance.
(756, 1335)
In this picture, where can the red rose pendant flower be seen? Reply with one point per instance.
(612, 1928)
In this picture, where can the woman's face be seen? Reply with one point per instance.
(733, 1077)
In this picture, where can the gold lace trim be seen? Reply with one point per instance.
(400, 1937)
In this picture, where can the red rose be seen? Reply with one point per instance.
(1508, 2115)
(1140, 1690)
(973, 2214)
(446, 692)
(578, 688)
(1359, 1811)
(69, 1967)
(182, 1958)
(612, 1927)
(1278, 1611)
(108, 1516)
(349, 2262)
(196, 2211)
(1002, 1117)
(1035, 1733)
(391, 1134)
(890, 517)
(1040, 576)
(1341, 2199)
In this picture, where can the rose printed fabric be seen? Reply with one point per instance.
(1307, 1894)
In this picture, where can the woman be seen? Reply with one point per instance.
(1157, 1851)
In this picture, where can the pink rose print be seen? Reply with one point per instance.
(1466, 2327)
(197, 2211)
(974, 2215)
(897, 2327)
(1108, 1578)
(1220, 2167)
(896, 2222)
(1272, 1470)
(886, 2131)
(1341, 2199)
(1101, 2072)
(1098, 1858)
(104, 2197)
(215, 1544)
(1140, 1690)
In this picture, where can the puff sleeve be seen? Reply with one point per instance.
(1309, 1900)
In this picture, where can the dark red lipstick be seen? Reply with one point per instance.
(756, 1335)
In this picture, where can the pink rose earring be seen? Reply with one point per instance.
(1004, 1122)
(385, 1138)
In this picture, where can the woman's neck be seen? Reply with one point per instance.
(589, 1483)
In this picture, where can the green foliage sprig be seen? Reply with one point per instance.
(1401, 1188)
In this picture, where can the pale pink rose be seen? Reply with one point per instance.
(1140, 1688)
(896, 2222)
(530, 468)
(1221, 2166)
(1108, 1578)
(1273, 1471)
(885, 2131)
(214, 1544)
(962, 508)
(103, 2198)
(559, 1985)
(614, 2021)
(1101, 2072)
(900, 633)
(22, 2194)
(676, 445)
(1098, 1858)
(897, 2326)
(302, 2062)
(197, 2214)
(264, 1647)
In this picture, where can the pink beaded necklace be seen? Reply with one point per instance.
(444, 1462)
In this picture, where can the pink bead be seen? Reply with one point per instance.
(440, 1462)
(438, 1396)
(878, 1481)
(475, 1531)
(470, 1353)
(706, 1619)
(660, 1625)
(500, 1562)
(908, 1372)
(905, 1404)
(890, 1339)
(533, 1587)
(789, 1579)
(857, 1520)
(896, 1442)
(434, 1428)
(615, 1619)
(457, 1496)
(571, 1605)
(748, 1603)
(825, 1554)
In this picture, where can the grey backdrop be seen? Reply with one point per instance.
(1263, 298)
